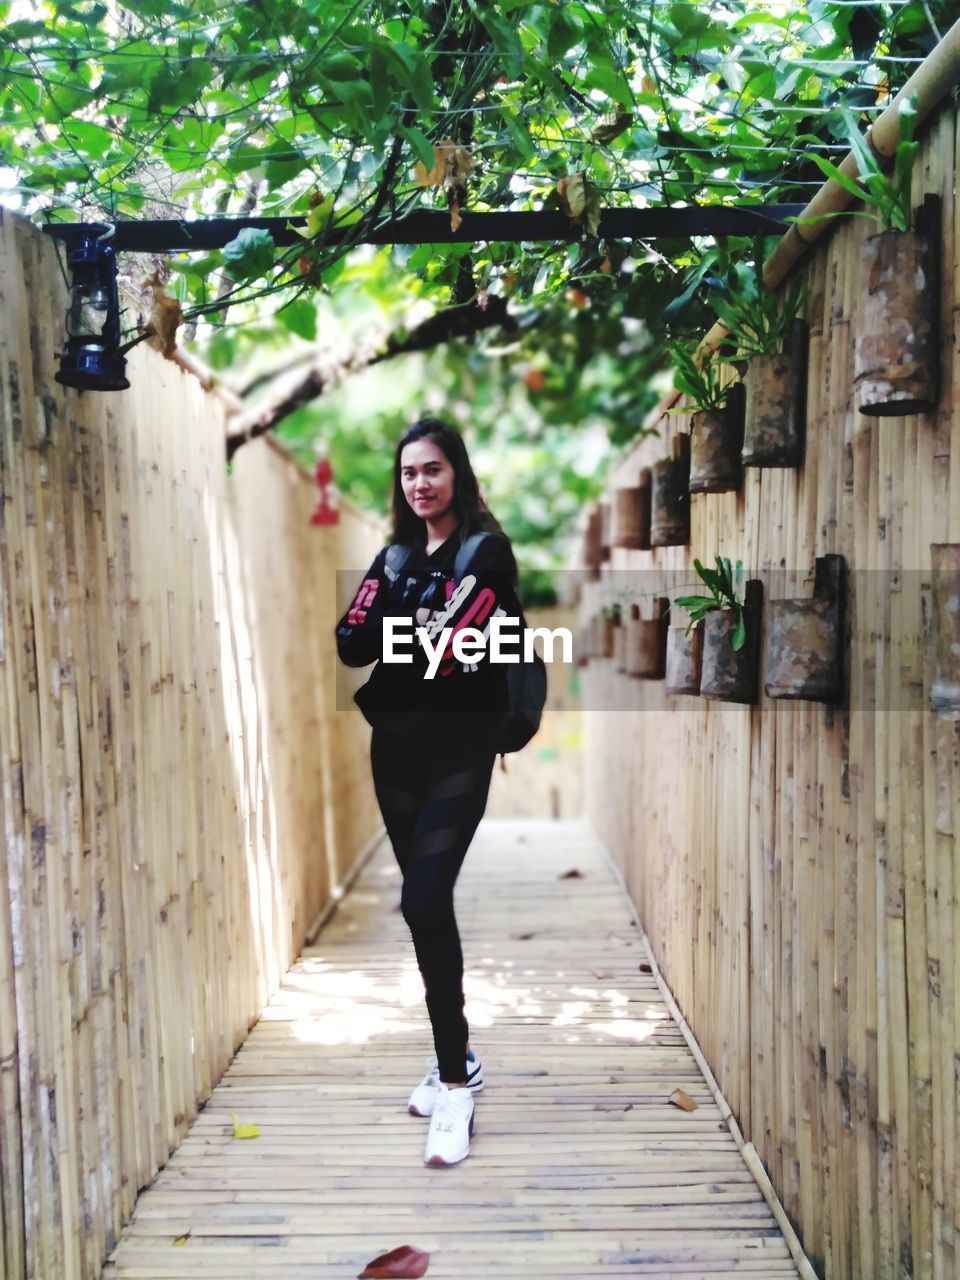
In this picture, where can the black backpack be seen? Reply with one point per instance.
(526, 681)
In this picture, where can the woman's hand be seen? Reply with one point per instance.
(423, 616)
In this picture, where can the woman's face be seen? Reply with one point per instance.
(426, 476)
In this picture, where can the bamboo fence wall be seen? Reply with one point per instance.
(796, 866)
(169, 754)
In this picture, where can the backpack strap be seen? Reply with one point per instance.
(399, 554)
(396, 560)
(468, 548)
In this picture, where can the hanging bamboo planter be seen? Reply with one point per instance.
(804, 639)
(646, 641)
(601, 638)
(895, 362)
(716, 440)
(774, 389)
(620, 648)
(612, 627)
(728, 674)
(592, 540)
(606, 531)
(945, 688)
(582, 644)
(632, 514)
(684, 659)
(670, 500)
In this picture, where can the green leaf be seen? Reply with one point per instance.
(381, 83)
(250, 255)
(613, 83)
(90, 138)
(907, 118)
(503, 35)
(340, 66)
(518, 133)
(420, 143)
(300, 317)
(415, 71)
(739, 633)
(174, 84)
(867, 161)
(695, 602)
(565, 31)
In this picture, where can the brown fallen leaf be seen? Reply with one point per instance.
(646, 968)
(402, 1262)
(580, 201)
(610, 126)
(451, 164)
(524, 937)
(572, 874)
(682, 1100)
(165, 318)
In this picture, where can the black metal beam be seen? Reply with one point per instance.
(427, 226)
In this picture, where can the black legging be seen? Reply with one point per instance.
(432, 799)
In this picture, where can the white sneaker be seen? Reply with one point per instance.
(425, 1094)
(451, 1125)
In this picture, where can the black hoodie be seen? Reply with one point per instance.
(461, 698)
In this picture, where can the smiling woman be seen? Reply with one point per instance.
(435, 740)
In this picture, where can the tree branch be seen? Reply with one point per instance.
(445, 326)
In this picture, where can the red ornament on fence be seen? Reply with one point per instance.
(325, 513)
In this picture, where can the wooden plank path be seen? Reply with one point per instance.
(579, 1167)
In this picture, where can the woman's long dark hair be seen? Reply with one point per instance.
(470, 509)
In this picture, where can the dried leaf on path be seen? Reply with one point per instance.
(682, 1100)
(572, 874)
(402, 1262)
(243, 1130)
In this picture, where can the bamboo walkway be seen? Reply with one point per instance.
(580, 1166)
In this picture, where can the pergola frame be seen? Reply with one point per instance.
(428, 226)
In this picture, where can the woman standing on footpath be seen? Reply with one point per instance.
(434, 740)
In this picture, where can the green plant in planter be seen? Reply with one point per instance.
(701, 383)
(889, 196)
(757, 318)
(724, 584)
